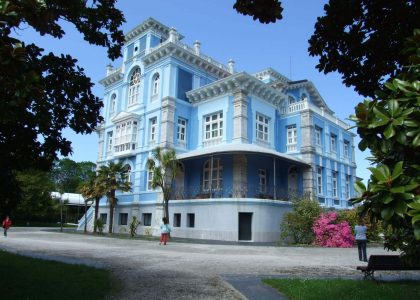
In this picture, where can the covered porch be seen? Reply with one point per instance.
(239, 171)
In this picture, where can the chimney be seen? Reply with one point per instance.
(109, 69)
(231, 65)
(173, 35)
(197, 46)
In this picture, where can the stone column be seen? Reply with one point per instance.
(308, 153)
(240, 117)
(167, 122)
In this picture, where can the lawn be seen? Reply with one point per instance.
(305, 289)
(28, 278)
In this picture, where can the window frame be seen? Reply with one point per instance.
(146, 219)
(123, 217)
(318, 136)
(177, 220)
(216, 170)
(155, 84)
(333, 143)
(291, 137)
(189, 223)
(213, 127)
(262, 180)
(153, 130)
(262, 128)
(334, 179)
(346, 148)
(134, 87)
(182, 130)
(319, 181)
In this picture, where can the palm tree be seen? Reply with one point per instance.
(113, 177)
(92, 189)
(163, 165)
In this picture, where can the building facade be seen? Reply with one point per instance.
(247, 143)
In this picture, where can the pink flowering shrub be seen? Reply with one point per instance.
(329, 233)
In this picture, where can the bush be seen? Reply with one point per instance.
(374, 229)
(296, 227)
(100, 225)
(330, 233)
(134, 224)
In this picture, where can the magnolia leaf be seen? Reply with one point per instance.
(387, 213)
(400, 208)
(401, 137)
(416, 140)
(388, 199)
(393, 106)
(359, 187)
(414, 205)
(379, 114)
(378, 174)
(416, 218)
(417, 234)
(398, 190)
(389, 131)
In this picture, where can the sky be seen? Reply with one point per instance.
(224, 34)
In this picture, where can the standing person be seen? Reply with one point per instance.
(165, 229)
(6, 224)
(361, 239)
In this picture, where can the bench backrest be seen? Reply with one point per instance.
(385, 262)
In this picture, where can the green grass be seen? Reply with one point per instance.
(305, 289)
(28, 278)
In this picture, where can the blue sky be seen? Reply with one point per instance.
(223, 34)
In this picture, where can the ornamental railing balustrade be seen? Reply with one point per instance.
(235, 191)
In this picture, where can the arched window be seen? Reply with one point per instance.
(113, 104)
(155, 85)
(127, 173)
(291, 100)
(304, 97)
(133, 91)
(213, 174)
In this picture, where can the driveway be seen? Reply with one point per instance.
(182, 270)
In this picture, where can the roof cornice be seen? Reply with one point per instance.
(187, 55)
(316, 96)
(150, 23)
(115, 76)
(274, 73)
(237, 82)
(122, 116)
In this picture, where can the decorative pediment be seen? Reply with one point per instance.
(122, 116)
(151, 24)
(273, 73)
(239, 81)
(116, 75)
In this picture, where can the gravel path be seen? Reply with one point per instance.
(182, 270)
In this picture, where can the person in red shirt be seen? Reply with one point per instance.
(6, 224)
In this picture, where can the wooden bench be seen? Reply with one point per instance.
(383, 263)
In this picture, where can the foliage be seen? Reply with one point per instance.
(29, 278)
(330, 233)
(92, 189)
(374, 229)
(69, 175)
(36, 203)
(266, 11)
(320, 289)
(99, 224)
(353, 39)
(43, 93)
(296, 227)
(389, 127)
(134, 224)
(164, 166)
(112, 177)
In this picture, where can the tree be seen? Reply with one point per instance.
(266, 11)
(92, 189)
(163, 165)
(112, 177)
(37, 203)
(354, 39)
(390, 127)
(43, 93)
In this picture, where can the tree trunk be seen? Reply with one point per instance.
(166, 210)
(95, 227)
(111, 217)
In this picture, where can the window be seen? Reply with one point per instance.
(262, 178)
(152, 130)
(149, 180)
(147, 219)
(334, 183)
(318, 139)
(184, 84)
(127, 173)
(336, 202)
(182, 130)
(123, 219)
(319, 180)
(346, 149)
(262, 127)
(190, 220)
(321, 200)
(333, 143)
(155, 85)
(291, 100)
(291, 138)
(113, 104)
(348, 179)
(177, 220)
(109, 141)
(133, 90)
(213, 126)
(103, 217)
(126, 136)
(213, 174)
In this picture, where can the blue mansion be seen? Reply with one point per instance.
(247, 143)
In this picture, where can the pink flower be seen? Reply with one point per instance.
(328, 233)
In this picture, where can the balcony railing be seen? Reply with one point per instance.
(237, 191)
